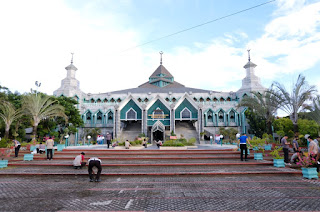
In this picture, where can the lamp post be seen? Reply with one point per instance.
(66, 137)
(221, 137)
(89, 137)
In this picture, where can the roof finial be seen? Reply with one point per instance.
(72, 57)
(249, 54)
(161, 57)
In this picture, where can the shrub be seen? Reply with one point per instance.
(4, 143)
(275, 153)
(172, 143)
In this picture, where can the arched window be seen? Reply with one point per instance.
(146, 100)
(228, 99)
(186, 113)
(118, 100)
(232, 116)
(99, 117)
(92, 100)
(110, 118)
(245, 95)
(158, 114)
(112, 100)
(139, 99)
(131, 114)
(210, 117)
(105, 100)
(195, 99)
(174, 99)
(201, 99)
(221, 99)
(99, 100)
(167, 99)
(221, 116)
(88, 117)
(215, 99)
(208, 99)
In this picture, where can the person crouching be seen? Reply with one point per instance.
(78, 162)
(94, 161)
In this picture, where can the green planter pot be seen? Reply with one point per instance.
(60, 147)
(267, 147)
(3, 163)
(310, 173)
(278, 162)
(258, 156)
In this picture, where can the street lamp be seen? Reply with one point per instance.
(221, 137)
(66, 137)
(89, 137)
(238, 135)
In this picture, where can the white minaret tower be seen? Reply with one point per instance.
(70, 86)
(251, 82)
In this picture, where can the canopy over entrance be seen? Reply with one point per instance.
(157, 132)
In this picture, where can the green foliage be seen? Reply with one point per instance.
(308, 127)
(275, 153)
(257, 143)
(141, 135)
(192, 141)
(257, 123)
(173, 143)
(268, 138)
(172, 133)
(283, 124)
(4, 143)
(228, 134)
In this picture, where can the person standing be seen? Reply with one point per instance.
(285, 148)
(243, 146)
(49, 144)
(17, 146)
(94, 162)
(144, 143)
(296, 149)
(108, 137)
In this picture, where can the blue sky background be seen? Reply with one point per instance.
(38, 36)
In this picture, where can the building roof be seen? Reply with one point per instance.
(249, 64)
(161, 70)
(71, 67)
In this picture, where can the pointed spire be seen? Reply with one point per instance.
(161, 57)
(72, 57)
(249, 55)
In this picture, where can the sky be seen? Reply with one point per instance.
(38, 36)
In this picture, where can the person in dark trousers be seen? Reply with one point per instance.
(49, 144)
(108, 137)
(243, 146)
(285, 148)
(94, 162)
(17, 146)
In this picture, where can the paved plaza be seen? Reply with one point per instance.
(186, 193)
(206, 179)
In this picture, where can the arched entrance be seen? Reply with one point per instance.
(157, 132)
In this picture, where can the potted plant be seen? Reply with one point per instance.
(5, 151)
(257, 147)
(307, 164)
(278, 160)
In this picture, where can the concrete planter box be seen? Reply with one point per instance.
(278, 163)
(173, 147)
(258, 156)
(60, 147)
(3, 163)
(192, 147)
(130, 148)
(267, 147)
(310, 173)
(28, 157)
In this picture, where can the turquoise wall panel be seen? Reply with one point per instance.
(130, 104)
(151, 122)
(188, 105)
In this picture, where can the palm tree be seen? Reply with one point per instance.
(41, 107)
(265, 105)
(315, 113)
(295, 101)
(9, 114)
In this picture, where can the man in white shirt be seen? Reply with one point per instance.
(94, 162)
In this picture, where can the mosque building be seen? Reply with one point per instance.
(161, 106)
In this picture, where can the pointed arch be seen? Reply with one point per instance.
(131, 114)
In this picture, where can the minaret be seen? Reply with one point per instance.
(71, 69)
(251, 82)
(70, 86)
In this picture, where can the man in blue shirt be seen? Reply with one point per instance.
(243, 146)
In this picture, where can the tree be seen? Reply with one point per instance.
(308, 127)
(229, 133)
(315, 113)
(265, 105)
(283, 124)
(41, 107)
(9, 114)
(293, 102)
(257, 123)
